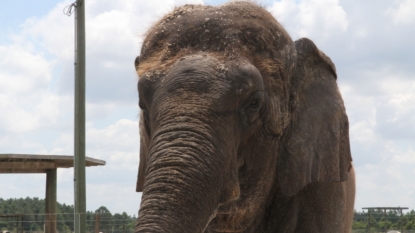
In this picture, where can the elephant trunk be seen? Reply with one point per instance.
(183, 184)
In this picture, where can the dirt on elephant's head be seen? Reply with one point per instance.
(229, 31)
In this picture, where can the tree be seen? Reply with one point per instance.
(105, 219)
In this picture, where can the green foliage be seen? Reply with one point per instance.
(33, 210)
(358, 225)
(378, 220)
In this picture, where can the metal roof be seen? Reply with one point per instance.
(33, 163)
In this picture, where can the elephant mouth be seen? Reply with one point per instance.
(239, 214)
(233, 217)
(228, 223)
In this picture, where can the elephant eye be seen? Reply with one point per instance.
(254, 103)
(252, 106)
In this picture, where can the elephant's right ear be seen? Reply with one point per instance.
(141, 169)
(137, 62)
(316, 144)
(143, 156)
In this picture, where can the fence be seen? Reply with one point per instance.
(95, 222)
(390, 230)
(104, 221)
(384, 219)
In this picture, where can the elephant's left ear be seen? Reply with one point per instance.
(316, 146)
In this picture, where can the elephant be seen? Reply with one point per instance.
(242, 129)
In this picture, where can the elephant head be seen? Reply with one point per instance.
(233, 113)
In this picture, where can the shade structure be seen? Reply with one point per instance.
(33, 163)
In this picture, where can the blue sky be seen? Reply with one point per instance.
(371, 43)
(14, 13)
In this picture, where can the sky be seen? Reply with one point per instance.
(371, 43)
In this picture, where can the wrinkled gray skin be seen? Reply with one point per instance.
(242, 129)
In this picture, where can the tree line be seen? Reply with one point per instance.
(33, 217)
(379, 220)
(33, 210)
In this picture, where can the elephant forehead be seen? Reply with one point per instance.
(232, 30)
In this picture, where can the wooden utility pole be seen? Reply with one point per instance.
(79, 161)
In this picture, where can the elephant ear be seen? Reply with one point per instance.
(316, 146)
(141, 170)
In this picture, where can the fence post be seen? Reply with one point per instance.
(97, 222)
(368, 222)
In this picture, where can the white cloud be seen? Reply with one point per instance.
(25, 94)
(311, 18)
(22, 71)
(32, 185)
(387, 182)
(363, 132)
(44, 112)
(54, 32)
(118, 143)
(380, 108)
(129, 200)
(402, 11)
(408, 157)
